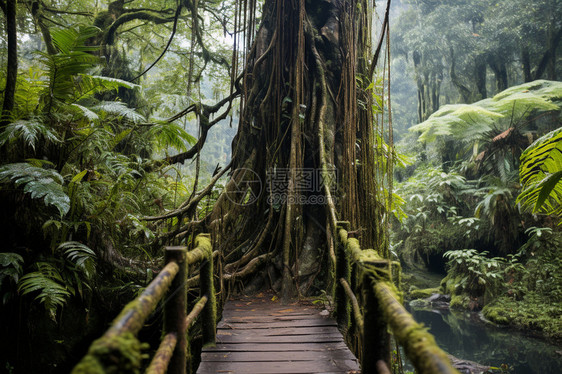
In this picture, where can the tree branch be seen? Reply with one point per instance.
(381, 40)
(191, 204)
(176, 17)
(109, 36)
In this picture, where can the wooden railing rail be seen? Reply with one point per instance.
(119, 350)
(377, 310)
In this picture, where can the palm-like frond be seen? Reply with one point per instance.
(541, 173)
(39, 183)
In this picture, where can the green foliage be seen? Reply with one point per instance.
(476, 271)
(50, 284)
(40, 183)
(66, 273)
(471, 122)
(28, 132)
(82, 257)
(10, 272)
(168, 135)
(540, 173)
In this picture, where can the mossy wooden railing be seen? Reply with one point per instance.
(376, 310)
(119, 350)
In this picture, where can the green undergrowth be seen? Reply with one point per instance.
(534, 312)
(523, 289)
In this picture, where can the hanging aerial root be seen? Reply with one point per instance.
(248, 269)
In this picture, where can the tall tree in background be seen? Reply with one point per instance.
(9, 9)
(464, 51)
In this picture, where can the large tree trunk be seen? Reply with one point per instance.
(12, 67)
(300, 127)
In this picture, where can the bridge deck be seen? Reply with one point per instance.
(257, 335)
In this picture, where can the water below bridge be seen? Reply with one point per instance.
(465, 336)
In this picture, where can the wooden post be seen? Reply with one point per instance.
(175, 309)
(376, 339)
(207, 288)
(342, 271)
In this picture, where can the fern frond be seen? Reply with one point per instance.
(39, 183)
(47, 280)
(29, 131)
(540, 173)
(120, 110)
(167, 135)
(89, 85)
(80, 256)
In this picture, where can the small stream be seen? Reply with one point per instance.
(465, 336)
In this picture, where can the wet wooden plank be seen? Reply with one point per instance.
(276, 347)
(261, 336)
(303, 367)
(300, 355)
(277, 331)
(267, 325)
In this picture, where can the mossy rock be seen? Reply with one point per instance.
(460, 302)
(496, 314)
(423, 293)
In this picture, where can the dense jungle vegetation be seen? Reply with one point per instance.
(123, 122)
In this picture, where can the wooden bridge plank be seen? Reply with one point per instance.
(260, 336)
(275, 331)
(276, 367)
(341, 354)
(267, 325)
(275, 347)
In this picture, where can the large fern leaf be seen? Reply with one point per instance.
(467, 122)
(80, 256)
(120, 110)
(540, 173)
(38, 183)
(47, 281)
(165, 135)
(29, 131)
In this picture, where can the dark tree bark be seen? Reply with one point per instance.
(526, 61)
(549, 58)
(500, 72)
(12, 66)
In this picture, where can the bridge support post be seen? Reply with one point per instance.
(175, 310)
(376, 339)
(342, 271)
(207, 288)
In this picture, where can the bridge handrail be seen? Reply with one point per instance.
(119, 349)
(366, 271)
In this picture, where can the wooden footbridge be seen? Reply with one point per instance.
(260, 335)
